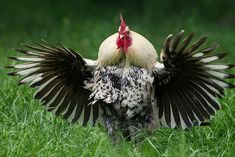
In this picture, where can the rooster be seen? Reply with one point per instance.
(127, 89)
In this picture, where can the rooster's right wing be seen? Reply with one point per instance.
(58, 74)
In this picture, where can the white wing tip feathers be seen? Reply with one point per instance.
(194, 69)
(50, 68)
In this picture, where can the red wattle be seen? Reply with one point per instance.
(126, 43)
(119, 43)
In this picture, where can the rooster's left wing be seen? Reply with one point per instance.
(187, 82)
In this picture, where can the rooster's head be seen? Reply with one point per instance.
(124, 40)
(128, 46)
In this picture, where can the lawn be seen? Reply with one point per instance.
(26, 129)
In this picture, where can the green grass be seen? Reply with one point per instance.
(26, 129)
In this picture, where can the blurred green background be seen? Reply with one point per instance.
(26, 129)
(86, 23)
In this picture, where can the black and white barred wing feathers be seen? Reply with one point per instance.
(188, 82)
(58, 74)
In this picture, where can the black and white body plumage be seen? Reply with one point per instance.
(128, 91)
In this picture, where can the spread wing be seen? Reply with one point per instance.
(189, 81)
(58, 73)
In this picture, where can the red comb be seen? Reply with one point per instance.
(122, 25)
